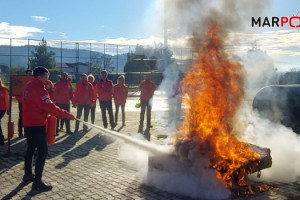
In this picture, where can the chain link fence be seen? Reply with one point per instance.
(76, 58)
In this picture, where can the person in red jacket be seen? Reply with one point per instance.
(37, 105)
(105, 90)
(19, 99)
(63, 94)
(83, 100)
(120, 93)
(91, 79)
(147, 89)
(4, 105)
(50, 88)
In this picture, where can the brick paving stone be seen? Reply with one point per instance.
(87, 166)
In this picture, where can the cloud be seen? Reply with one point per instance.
(10, 31)
(40, 18)
(283, 46)
(179, 42)
(279, 42)
(58, 34)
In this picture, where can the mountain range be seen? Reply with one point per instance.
(19, 56)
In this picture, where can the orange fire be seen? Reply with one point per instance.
(214, 85)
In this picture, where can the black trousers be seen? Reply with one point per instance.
(93, 112)
(117, 112)
(36, 140)
(2, 113)
(107, 105)
(86, 109)
(145, 105)
(63, 120)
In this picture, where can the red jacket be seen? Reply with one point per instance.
(147, 88)
(4, 98)
(19, 98)
(50, 88)
(105, 90)
(120, 93)
(83, 93)
(36, 105)
(63, 92)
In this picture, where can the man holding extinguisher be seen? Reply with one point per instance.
(36, 106)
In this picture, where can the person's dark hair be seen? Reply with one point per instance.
(39, 71)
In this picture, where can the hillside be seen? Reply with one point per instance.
(20, 55)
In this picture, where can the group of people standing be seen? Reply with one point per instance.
(85, 96)
(86, 93)
(42, 98)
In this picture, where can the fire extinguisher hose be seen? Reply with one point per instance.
(150, 147)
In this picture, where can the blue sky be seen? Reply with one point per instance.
(133, 22)
(78, 19)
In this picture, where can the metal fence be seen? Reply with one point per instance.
(18, 52)
(77, 57)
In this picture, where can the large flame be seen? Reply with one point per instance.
(214, 85)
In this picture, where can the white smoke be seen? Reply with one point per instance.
(260, 69)
(282, 141)
(167, 173)
(170, 85)
(191, 18)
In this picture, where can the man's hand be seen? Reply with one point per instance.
(71, 116)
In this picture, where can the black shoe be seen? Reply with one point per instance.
(76, 130)
(27, 178)
(69, 132)
(40, 186)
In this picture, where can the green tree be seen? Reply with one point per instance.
(42, 57)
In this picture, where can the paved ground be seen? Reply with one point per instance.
(88, 166)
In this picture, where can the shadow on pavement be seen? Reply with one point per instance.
(15, 156)
(31, 194)
(18, 149)
(15, 191)
(64, 143)
(119, 129)
(97, 142)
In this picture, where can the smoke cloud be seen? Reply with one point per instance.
(192, 18)
(167, 173)
(282, 141)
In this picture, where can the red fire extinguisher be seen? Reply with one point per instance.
(51, 129)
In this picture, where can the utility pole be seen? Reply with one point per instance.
(165, 36)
